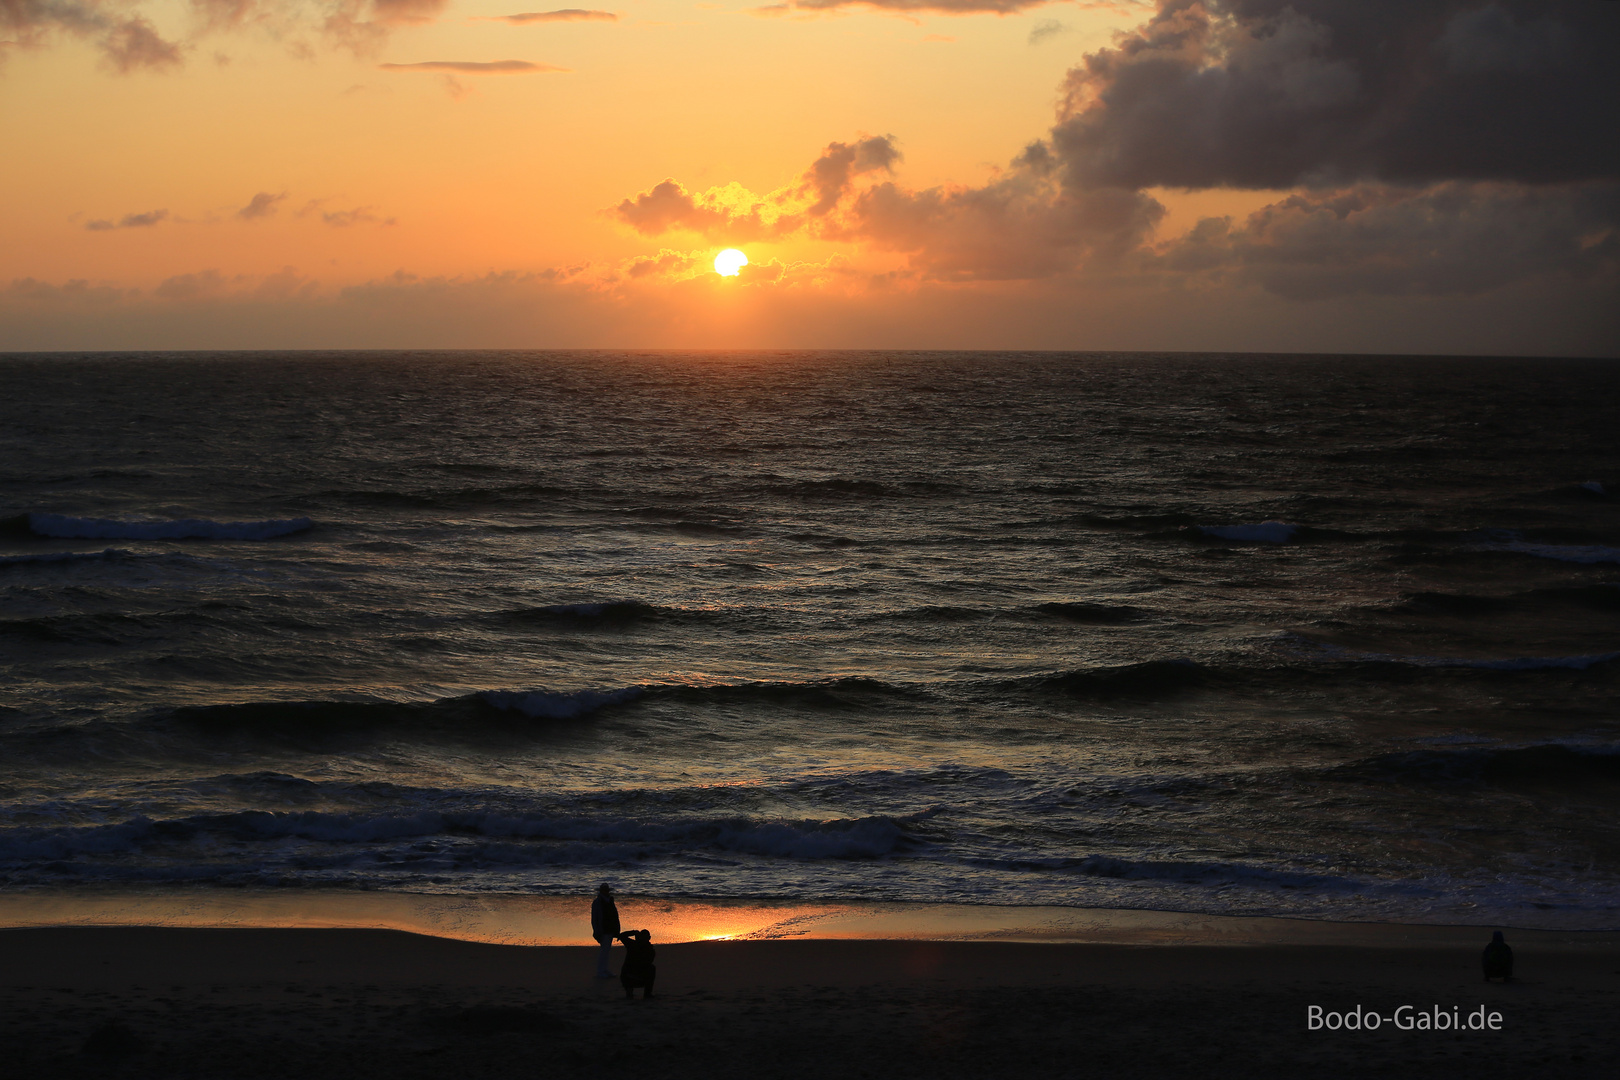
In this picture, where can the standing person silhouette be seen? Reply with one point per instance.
(639, 969)
(604, 927)
(1498, 959)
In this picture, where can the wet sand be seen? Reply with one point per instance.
(145, 1001)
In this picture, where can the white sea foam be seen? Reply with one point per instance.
(1594, 487)
(1267, 532)
(64, 527)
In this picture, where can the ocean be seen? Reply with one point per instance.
(1316, 636)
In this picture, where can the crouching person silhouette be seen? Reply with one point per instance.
(638, 969)
(1498, 959)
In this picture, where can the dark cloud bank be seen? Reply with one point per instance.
(1432, 149)
(1273, 94)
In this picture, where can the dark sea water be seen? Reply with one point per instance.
(1324, 636)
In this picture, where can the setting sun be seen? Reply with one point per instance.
(729, 262)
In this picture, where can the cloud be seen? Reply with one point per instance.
(918, 7)
(130, 221)
(191, 286)
(908, 8)
(217, 16)
(1271, 94)
(830, 176)
(364, 26)
(262, 205)
(1023, 224)
(666, 263)
(360, 215)
(342, 219)
(1045, 30)
(129, 42)
(731, 213)
(1455, 238)
(834, 307)
(407, 12)
(563, 15)
(734, 214)
(477, 67)
(134, 44)
(212, 286)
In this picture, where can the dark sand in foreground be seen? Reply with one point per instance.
(180, 1003)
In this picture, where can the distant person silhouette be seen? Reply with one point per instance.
(638, 969)
(604, 927)
(1498, 959)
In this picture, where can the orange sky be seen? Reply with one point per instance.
(289, 173)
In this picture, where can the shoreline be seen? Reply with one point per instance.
(524, 920)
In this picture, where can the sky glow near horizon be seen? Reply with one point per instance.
(1224, 174)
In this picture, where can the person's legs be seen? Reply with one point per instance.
(652, 976)
(629, 985)
(602, 971)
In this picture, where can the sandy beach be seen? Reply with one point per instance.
(191, 1001)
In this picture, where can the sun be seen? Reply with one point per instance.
(729, 262)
